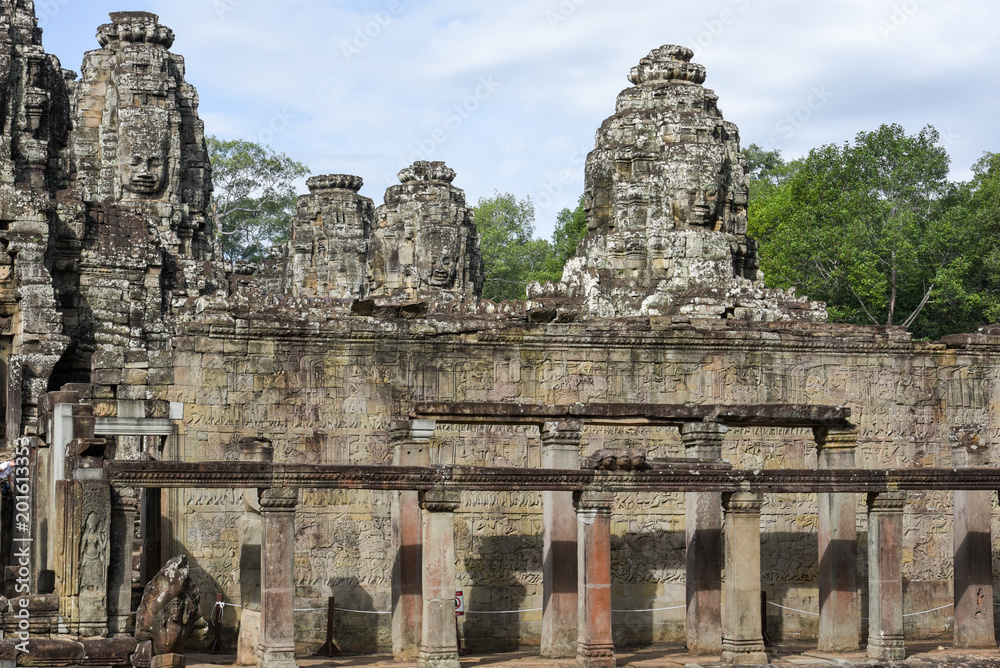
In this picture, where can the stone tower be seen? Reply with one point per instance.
(425, 238)
(328, 251)
(666, 190)
(139, 140)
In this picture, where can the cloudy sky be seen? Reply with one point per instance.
(510, 92)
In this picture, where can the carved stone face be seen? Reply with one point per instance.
(142, 160)
(697, 203)
(144, 172)
(443, 271)
(437, 255)
(696, 206)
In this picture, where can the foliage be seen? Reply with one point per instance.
(571, 228)
(875, 229)
(512, 256)
(254, 198)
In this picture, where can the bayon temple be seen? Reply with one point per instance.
(634, 455)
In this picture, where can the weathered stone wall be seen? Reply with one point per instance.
(332, 391)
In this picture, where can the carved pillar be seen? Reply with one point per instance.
(838, 548)
(595, 647)
(742, 640)
(885, 576)
(407, 572)
(704, 545)
(973, 554)
(83, 525)
(277, 624)
(439, 642)
(124, 506)
(560, 450)
(248, 640)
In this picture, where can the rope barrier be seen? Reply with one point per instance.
(500, 612)
(914, 614)
(801, 612)
(673, 607)
(363, 612)
(816, 614)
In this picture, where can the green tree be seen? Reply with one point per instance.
(984, 214)
(512, 257)
(873, 228)
(571, 228)
(254, 198)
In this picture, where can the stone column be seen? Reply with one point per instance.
(885, 576)
(595, 647)
(973, 554)
(560, 450)
(277, 623)
(703, 440)
(439, 640)
(407, 590)
(262, 451)
(839, 629)
(124, 506)
(742, 639)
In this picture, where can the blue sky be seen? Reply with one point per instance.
(510, 93)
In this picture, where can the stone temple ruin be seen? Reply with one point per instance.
(353, 421)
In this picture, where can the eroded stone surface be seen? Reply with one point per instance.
(666, 195)
(169, 612)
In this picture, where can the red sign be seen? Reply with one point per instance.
(459, 604)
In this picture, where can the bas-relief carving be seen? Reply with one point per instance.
(94, 553)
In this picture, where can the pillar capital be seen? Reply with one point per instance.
(743, 503)
(696, 433)
(887, 502)
(562, 434)
(422, 430)
(836, 438)
(594, 501)
(279, 499)
(440, 500)
(124, 499)
(703, 440)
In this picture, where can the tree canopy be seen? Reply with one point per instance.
(512, 256)
(254, 198)
(876, 229)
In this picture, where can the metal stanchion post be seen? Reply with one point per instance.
(330, 647)
(217, 646)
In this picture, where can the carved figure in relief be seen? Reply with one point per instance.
(143, 166)
(93, 554)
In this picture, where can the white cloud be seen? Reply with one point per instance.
(367, 111)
